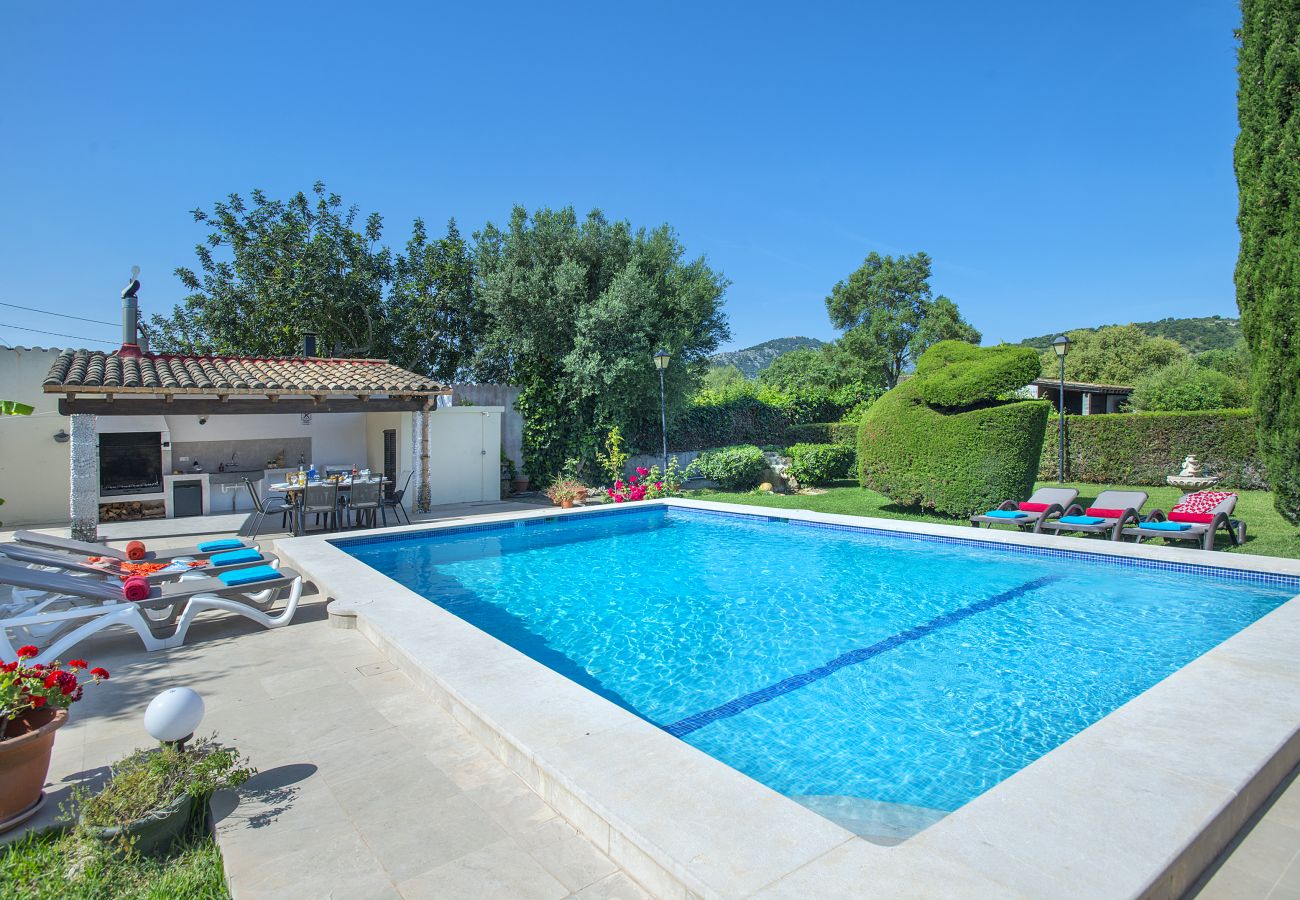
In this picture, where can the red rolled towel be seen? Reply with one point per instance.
(135, 589)
(135, 551)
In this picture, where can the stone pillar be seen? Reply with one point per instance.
(84, 502)
(420, 457)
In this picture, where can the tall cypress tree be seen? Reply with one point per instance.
(1267, 160)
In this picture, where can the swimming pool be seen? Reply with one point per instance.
(852, 669)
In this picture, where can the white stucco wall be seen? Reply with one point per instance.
(33, 467)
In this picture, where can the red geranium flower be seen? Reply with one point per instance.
(27, 650)
(100, 672)
(37, 702)
(77, 663)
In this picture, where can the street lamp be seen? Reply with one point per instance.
(661, 363)
(1062, 346)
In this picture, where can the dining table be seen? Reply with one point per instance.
(294, 492)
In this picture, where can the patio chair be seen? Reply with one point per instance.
(364, 501)
(1043, 504)
(1110, 512)
(1196, 517)
(394, 502)
(86, 606)
(320, 500)
(270, 507)
(86, 548)
(76, 564)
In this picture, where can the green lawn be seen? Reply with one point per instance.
(58, 865)
(1267, 533)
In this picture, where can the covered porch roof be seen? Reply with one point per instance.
(125, 383)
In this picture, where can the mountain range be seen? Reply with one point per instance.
(1196, 334)
(755, 359)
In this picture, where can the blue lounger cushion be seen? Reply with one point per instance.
(1082, 520)
(1007, 514)
(1166, 526)
(235, 557)
(248, 576)
(223, 544)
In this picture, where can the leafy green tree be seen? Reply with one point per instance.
(577, 310)
(802, 368)
(436, 324)
(1116, 354)
(890, 316)
(1267, 161)
(274, 269)
(1187, 385)
(717, 377)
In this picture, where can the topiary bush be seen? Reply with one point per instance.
(733, 468)
(1142, 448)
(950, 438)
(821, 463)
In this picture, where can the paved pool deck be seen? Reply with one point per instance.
(369, 789)
(366, 788)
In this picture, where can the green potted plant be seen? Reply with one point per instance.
(34, 701)
(154, 796)
(507, 473)
(565, 493)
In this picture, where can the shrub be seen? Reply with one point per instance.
(1187, 386)
(821, 463)
(823, 433)
(1143, 448)
(943, 439)
(733, 468)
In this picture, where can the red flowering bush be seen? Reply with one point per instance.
(647, 484)
(28, 686)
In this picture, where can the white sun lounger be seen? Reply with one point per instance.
(75, 563)
(85, 548)
(86, 606)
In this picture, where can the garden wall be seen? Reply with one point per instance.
(1143, 448)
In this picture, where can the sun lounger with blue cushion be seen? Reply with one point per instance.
(1028, 515)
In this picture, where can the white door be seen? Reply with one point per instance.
(464, 456)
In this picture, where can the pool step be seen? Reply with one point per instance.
(873, 820)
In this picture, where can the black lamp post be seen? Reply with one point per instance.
(1062, 346)
(661, 363)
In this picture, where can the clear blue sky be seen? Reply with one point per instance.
(1064, 164)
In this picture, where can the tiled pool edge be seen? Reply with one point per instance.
(1115, 834)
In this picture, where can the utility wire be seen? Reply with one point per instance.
(46, 312)
(57, 334)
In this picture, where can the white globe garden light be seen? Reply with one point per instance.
(173, 715)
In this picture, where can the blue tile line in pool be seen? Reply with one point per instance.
(732, 707)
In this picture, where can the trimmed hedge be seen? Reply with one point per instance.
(733, 468)
(941, 441)
(1142, 448)
(823, 433)
(740, 421)
(821, 463)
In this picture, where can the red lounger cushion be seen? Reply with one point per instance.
(1199, 518)
(1034, 507)
(1104, 512)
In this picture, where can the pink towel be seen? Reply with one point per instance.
(135, 589)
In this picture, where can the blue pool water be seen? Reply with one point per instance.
(830, 664)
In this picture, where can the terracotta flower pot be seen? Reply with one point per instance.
(566, 504)
(521, 484)
(24, 763)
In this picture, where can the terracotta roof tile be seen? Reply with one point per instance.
(93, 371)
